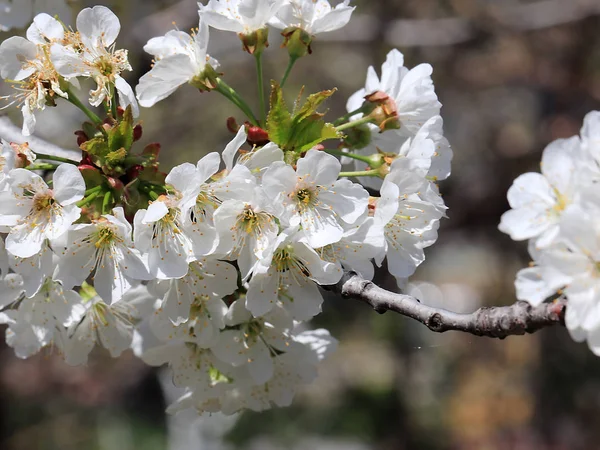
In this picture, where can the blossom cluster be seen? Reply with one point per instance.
(213, 267)
(558, 211)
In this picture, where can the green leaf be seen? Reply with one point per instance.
(304, 128)
(121, 136)
(312, 131)
(96, 147)
(312, 103)
(279, 119)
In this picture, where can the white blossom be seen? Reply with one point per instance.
(359, 244)
(247, 230)
(313, 16)
(26, 64)
(33, 212)
(288, 276)
(105, 248)
(411, 91)
(35, 269)
(239, 16)
(254, 342)
(198, 293)
(315, 198)
(94, 56)
(538, 200)
(7, 163)
(410, 222)
(112, 326)
(159, 232)
(179, 58)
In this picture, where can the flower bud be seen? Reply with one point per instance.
(232, 125)
(23, 154)
(384, 112)
(137, 132)
(257, 136)
(256, 41)
(297, 41)
(357, 137)
(207, 80)
(81, 137)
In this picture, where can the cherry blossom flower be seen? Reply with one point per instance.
(239, 16)
(7, 163)
(159, 232)
(411, 91)
(199, 292)
(314, 198)
(26, 64)
(33, 212)
(112, 326)
(246, 231)
(538, 200)
(288, 276)
(410, 222)
(179, 59)
(313, 16)
(254, 342)
(92, 55)
(105, 248)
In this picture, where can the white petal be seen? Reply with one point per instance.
(44, 29)
(67, 62)
(98, 26)
(14, 52)
(69, 186)
(232, 148)
(126, 96)
(208, 166)
(335, 20)
(320, 167)
(156, 211)
(558, 164)
(164, 79)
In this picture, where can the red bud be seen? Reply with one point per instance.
(137, 132)
(232, 125)
(81, 137)
(257, 136)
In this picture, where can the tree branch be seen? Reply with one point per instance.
(496, 322)
(12, 133)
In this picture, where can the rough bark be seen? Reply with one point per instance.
(496, 322)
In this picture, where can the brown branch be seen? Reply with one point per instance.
(12, 133)
(497, 322)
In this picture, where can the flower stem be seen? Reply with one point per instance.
(261, 85)
(42, 166)
(345, 117)
(113, 100)
(362, 158)
(88, 199)
(93, 190)
(75, 101)
(354, 123)
(107, 202)
(361, 173)
(230, 93)
(288, 69)
(54, 158)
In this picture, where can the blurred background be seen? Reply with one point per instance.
(512, 76)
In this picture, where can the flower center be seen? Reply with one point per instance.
(105, 66)
(105, 237)
(205, 203)
(43, 201)
(285, 260)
